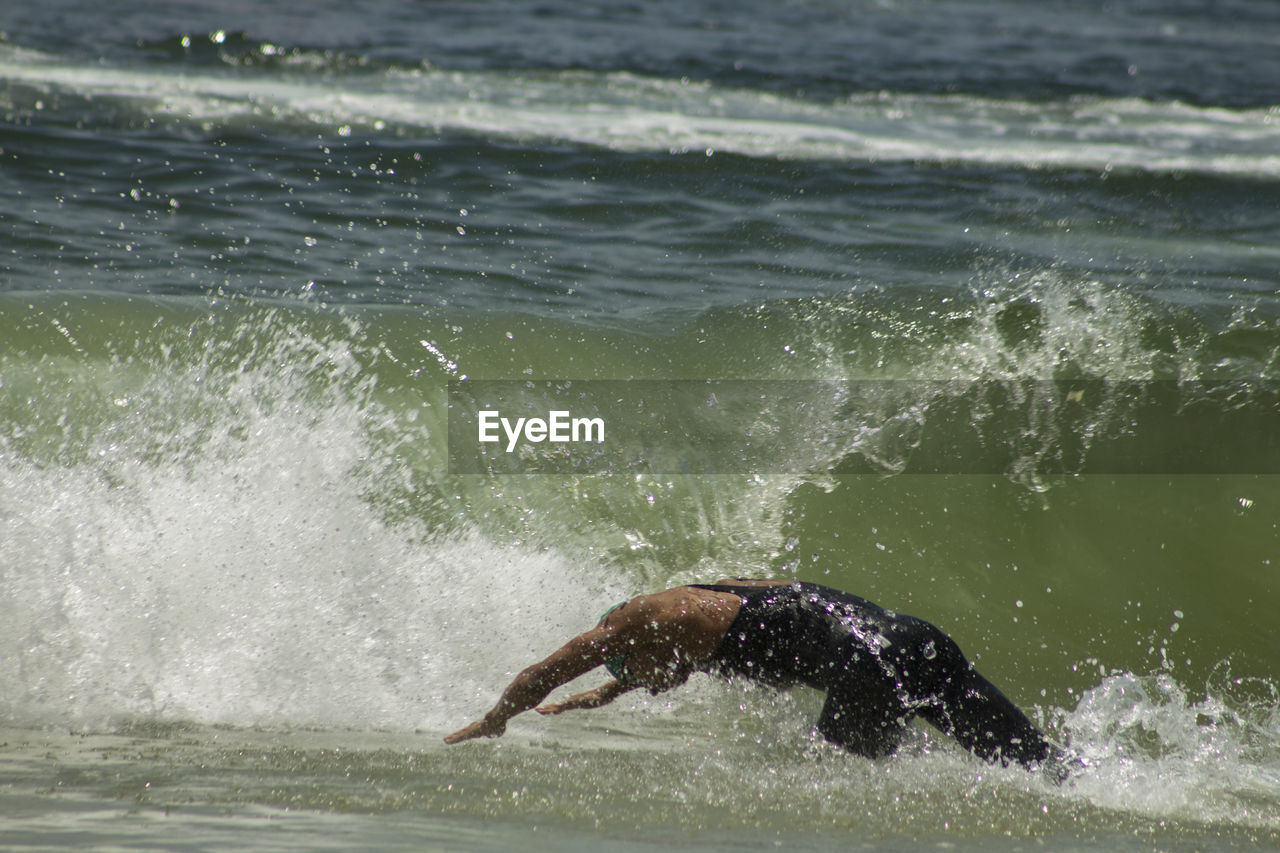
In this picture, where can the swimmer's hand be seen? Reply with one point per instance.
(485, 727)
(573, 703)
(602, 695)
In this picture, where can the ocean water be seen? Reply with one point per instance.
(969, 308)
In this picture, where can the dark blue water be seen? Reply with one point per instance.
(854, 145)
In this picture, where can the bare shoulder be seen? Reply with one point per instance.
(668, 602)
(678, 606)
(678, 624)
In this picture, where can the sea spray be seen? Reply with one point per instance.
(188, 536)
(1155, 746)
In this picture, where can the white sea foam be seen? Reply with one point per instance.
(1161, 751)
(226, 566)
(622, 111)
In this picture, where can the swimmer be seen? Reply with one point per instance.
(879, 669)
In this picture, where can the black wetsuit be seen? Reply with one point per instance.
(879, 669)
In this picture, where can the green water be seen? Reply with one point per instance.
(192, 787)
(369, 602)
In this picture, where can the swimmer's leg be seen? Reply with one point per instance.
(986, 723)
(971, 709)
(868, 725)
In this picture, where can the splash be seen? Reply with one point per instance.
(189, 534)
(1029, 375)
(1152, 746)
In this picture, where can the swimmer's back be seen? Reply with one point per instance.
(806, 633)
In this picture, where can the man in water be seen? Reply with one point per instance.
(879, 668)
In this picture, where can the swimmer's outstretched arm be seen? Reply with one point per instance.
(632, 629)
(602, 695)
(581, 654)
